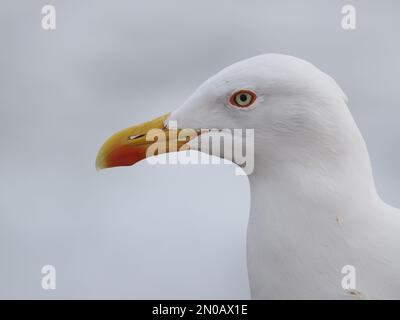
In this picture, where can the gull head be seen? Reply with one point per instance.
(298, 114)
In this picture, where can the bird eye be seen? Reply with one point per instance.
(243, 98)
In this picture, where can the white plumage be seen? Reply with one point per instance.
(314, 207)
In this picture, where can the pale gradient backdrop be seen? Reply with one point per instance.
(165, 231)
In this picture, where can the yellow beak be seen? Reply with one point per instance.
(130, 145)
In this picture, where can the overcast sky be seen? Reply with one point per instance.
(156, 231)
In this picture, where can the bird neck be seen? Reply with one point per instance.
(313, 179)
(296, 210)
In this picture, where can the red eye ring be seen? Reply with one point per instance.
(242, 98)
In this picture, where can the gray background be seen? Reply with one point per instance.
(156, 231)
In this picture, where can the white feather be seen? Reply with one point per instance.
(314, 206)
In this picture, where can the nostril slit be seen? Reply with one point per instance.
(135, 136)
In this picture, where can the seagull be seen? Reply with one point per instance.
(315, 211)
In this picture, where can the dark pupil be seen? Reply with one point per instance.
(243, 97)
